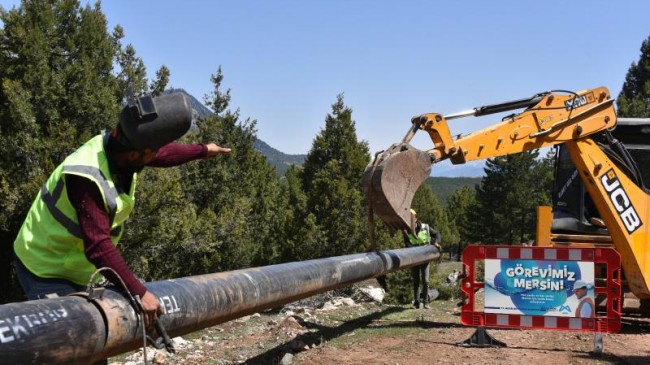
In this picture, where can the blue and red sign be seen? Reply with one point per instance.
(536, 287)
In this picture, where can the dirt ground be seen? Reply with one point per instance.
(436, 343)
(370, 333)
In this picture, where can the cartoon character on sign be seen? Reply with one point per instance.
(586, 306)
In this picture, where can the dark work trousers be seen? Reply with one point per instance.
(36, 287)
(420, 273)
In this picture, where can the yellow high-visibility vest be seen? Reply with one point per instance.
(50, 242)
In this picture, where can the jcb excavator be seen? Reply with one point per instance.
(614, 212)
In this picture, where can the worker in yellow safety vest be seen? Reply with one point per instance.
(77, 218)
(425, 235)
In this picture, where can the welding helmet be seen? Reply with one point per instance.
(148, 122)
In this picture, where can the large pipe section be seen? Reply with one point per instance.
(73, 330)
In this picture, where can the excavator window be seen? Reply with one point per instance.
(572, 206)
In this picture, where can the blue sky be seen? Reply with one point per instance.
(286, 61)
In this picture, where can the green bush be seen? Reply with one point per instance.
(399, 288)
(445, 291)
(439, 273)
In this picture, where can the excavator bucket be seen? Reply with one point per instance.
(390, 182)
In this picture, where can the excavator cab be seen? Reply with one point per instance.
(574, 211)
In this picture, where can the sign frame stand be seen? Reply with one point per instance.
(481, 338)
(598, 344)
(609, 283)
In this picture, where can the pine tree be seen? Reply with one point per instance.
(301, 232)
(332, 180)
(504, 210)
(337, 142)
(430, 211)
(162, 79)
(160, 227)
(458, 210)
(57, 89)
(238, 195)
(634, 99)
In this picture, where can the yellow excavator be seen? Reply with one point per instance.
(606, 207)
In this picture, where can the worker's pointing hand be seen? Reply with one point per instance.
(152, 309)
(214, 149)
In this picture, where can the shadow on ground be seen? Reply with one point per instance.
(323, 333)
(326, 333)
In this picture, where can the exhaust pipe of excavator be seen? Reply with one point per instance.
(390, 182)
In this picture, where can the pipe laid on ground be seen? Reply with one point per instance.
(72, 330)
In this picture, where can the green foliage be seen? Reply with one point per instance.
(57, 90)
(445, 187)
(431, 212)
(634, 99)
(338, 207)
(238, 195)
(162, 79)
(504, 209)
(338, 142)
(302, 233)
(400, 288)
(331, 178)
(458, 208)
(160, 229)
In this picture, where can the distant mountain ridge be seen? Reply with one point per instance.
(280, 160)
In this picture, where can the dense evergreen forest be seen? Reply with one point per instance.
(63, 74)
(444, 187)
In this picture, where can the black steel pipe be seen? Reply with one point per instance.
(73, 330)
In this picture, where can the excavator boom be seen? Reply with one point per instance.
(582, 121)
(392, 178)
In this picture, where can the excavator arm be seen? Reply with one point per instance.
(393, 177)
(549, 118)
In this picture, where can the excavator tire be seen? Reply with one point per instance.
(644, 308)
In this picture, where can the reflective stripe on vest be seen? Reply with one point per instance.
(50, 241)
(110, 193)
(586, 301)
(50, 202)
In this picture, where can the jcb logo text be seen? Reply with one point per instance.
(576, 102)
(621, 201)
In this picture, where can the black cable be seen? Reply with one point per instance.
(625, 159)
(137, 306)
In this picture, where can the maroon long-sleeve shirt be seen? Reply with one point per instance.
(93, 218)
